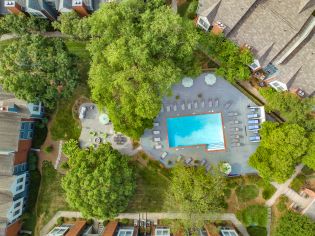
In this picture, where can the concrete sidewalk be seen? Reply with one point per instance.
(150, 215)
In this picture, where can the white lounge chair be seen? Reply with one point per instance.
(156, 132)
(183, 107)
(227, 105)
(188, 161)
(158, 146)
(168, 108)
(216, 102)
(189, 106)
(157, 139)
(210, 103)
(232, 114)
(156, 124)
(164, 155)
(202, 104)
(253, 121)
(175, 107)
(196, 105)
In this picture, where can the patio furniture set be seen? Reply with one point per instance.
(253, 124)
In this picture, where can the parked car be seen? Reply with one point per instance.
(82, 113)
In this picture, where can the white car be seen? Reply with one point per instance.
(82, 113)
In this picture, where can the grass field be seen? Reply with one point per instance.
(51, 197)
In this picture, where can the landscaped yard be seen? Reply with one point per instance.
(65, 124)
(51, 197)
(152, 183)
(305, 179)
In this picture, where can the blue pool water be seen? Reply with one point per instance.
(193, 130)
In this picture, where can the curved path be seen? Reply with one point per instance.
(150, 215)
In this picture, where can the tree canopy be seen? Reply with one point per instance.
(309, 158)
(233, 60)
(99, 181)
(194, 191)
(139, 50)
(38, 69)
(294, 224)
(280, 150)
(291, 107)
(22, 24)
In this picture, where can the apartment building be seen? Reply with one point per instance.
(49, 9)
(16, 132)
(279, 33)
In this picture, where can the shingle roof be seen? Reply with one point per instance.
(6, 184)
(6, 165)
(6, 202)
(9, 131)
(271, 22)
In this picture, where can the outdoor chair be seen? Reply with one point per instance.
(175, 107)
(157, 139)
(189, 106)
(158, 146)
(196, 105)
(183, 107)
(210, 103)
(162, 109)
(168, 108)
(232, 114)
(216, 102)
(156, 132)
(227, 105)
(156, 124)
(236, 145)
(164, 155)
(202, 104)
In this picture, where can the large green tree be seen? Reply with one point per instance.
(195, 192)
(309, 158)
(281, 149)
(38, 69)
(295, 224)
(139, 50)
(22, 24)
(99, 181)
(291, 107)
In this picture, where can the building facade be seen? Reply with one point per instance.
(17, 123)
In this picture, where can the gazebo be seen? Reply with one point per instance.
(210, 79)
(187, 82)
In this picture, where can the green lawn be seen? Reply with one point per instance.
(253, 215)
(247, 192)
(65, 125)
(30, 216)
(51, 197)
(151, 189)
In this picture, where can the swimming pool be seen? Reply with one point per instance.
(205, 129)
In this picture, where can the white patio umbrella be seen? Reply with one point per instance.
(187, 82)
(104, 119)
(210, 79)
(226, 168)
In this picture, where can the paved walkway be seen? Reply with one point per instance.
(152, 216)
(284, 189)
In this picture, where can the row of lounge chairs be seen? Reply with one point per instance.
(156, 138)
(234, 135)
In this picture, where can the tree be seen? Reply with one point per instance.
(99, 182)
(22, 24)
(38, 69)
(280, 150)
(72, 24)
(194, 192)
(233, 60)
(139, 50)
(309, 158)
(253, 215)
(294, 224)
(291, 107)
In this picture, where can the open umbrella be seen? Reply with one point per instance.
(210, 79)
(187, 82)
(104, 119)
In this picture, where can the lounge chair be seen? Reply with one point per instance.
(175, 107)
(162, 109)
(235, 140)
(253, 127)
(164, 155)
(227, 105)
(254, 139)
(249, 116)
(235, 129)
(189, 106)
(216, 102)
(183, 107)
(253, 121)
(156, 124)
(203, 162)
(236, 145)
(157, 139)
(210, 103)
(232, 114)
(195, 104)
(235, 136)
(156, 132)
(232, 122)
(179, 158)
(168, 108)
(202, 104)
(188, 161)
(158, 146)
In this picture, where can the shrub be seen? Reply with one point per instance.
(307, 171)
(64, 165)
(40, 134)
(254, 215)
(247, 192)
(257, 231)
(32, 161)
(60, 220)
(234, 182)
(191, 10)
(177, 97)
(268, 190)
(48, 149)
(298, 182)
(227, 192)
(282, 204)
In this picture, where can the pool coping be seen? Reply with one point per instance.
(197, 145)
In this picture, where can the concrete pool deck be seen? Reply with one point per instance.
(199, 94)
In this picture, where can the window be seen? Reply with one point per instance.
(30, 135)
(17, 212)
(17, 204)
(18, 188)
(35, 108)
(23, 126)
(32, 125)
(20, 180)
(21, 135)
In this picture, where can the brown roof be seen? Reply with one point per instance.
(13, 229)
(77, 228)
(110, 228)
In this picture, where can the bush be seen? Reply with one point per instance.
(227, 192)
(48, 149)
(254, 215)
(233, 182)
(247, 192)
(60, 221)
(191, 10)
(282, 204)
(64, 165)
(32, 160)
(257, 231)
(307, 171)
(40, 134)
(268, 190)
(298, 182)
